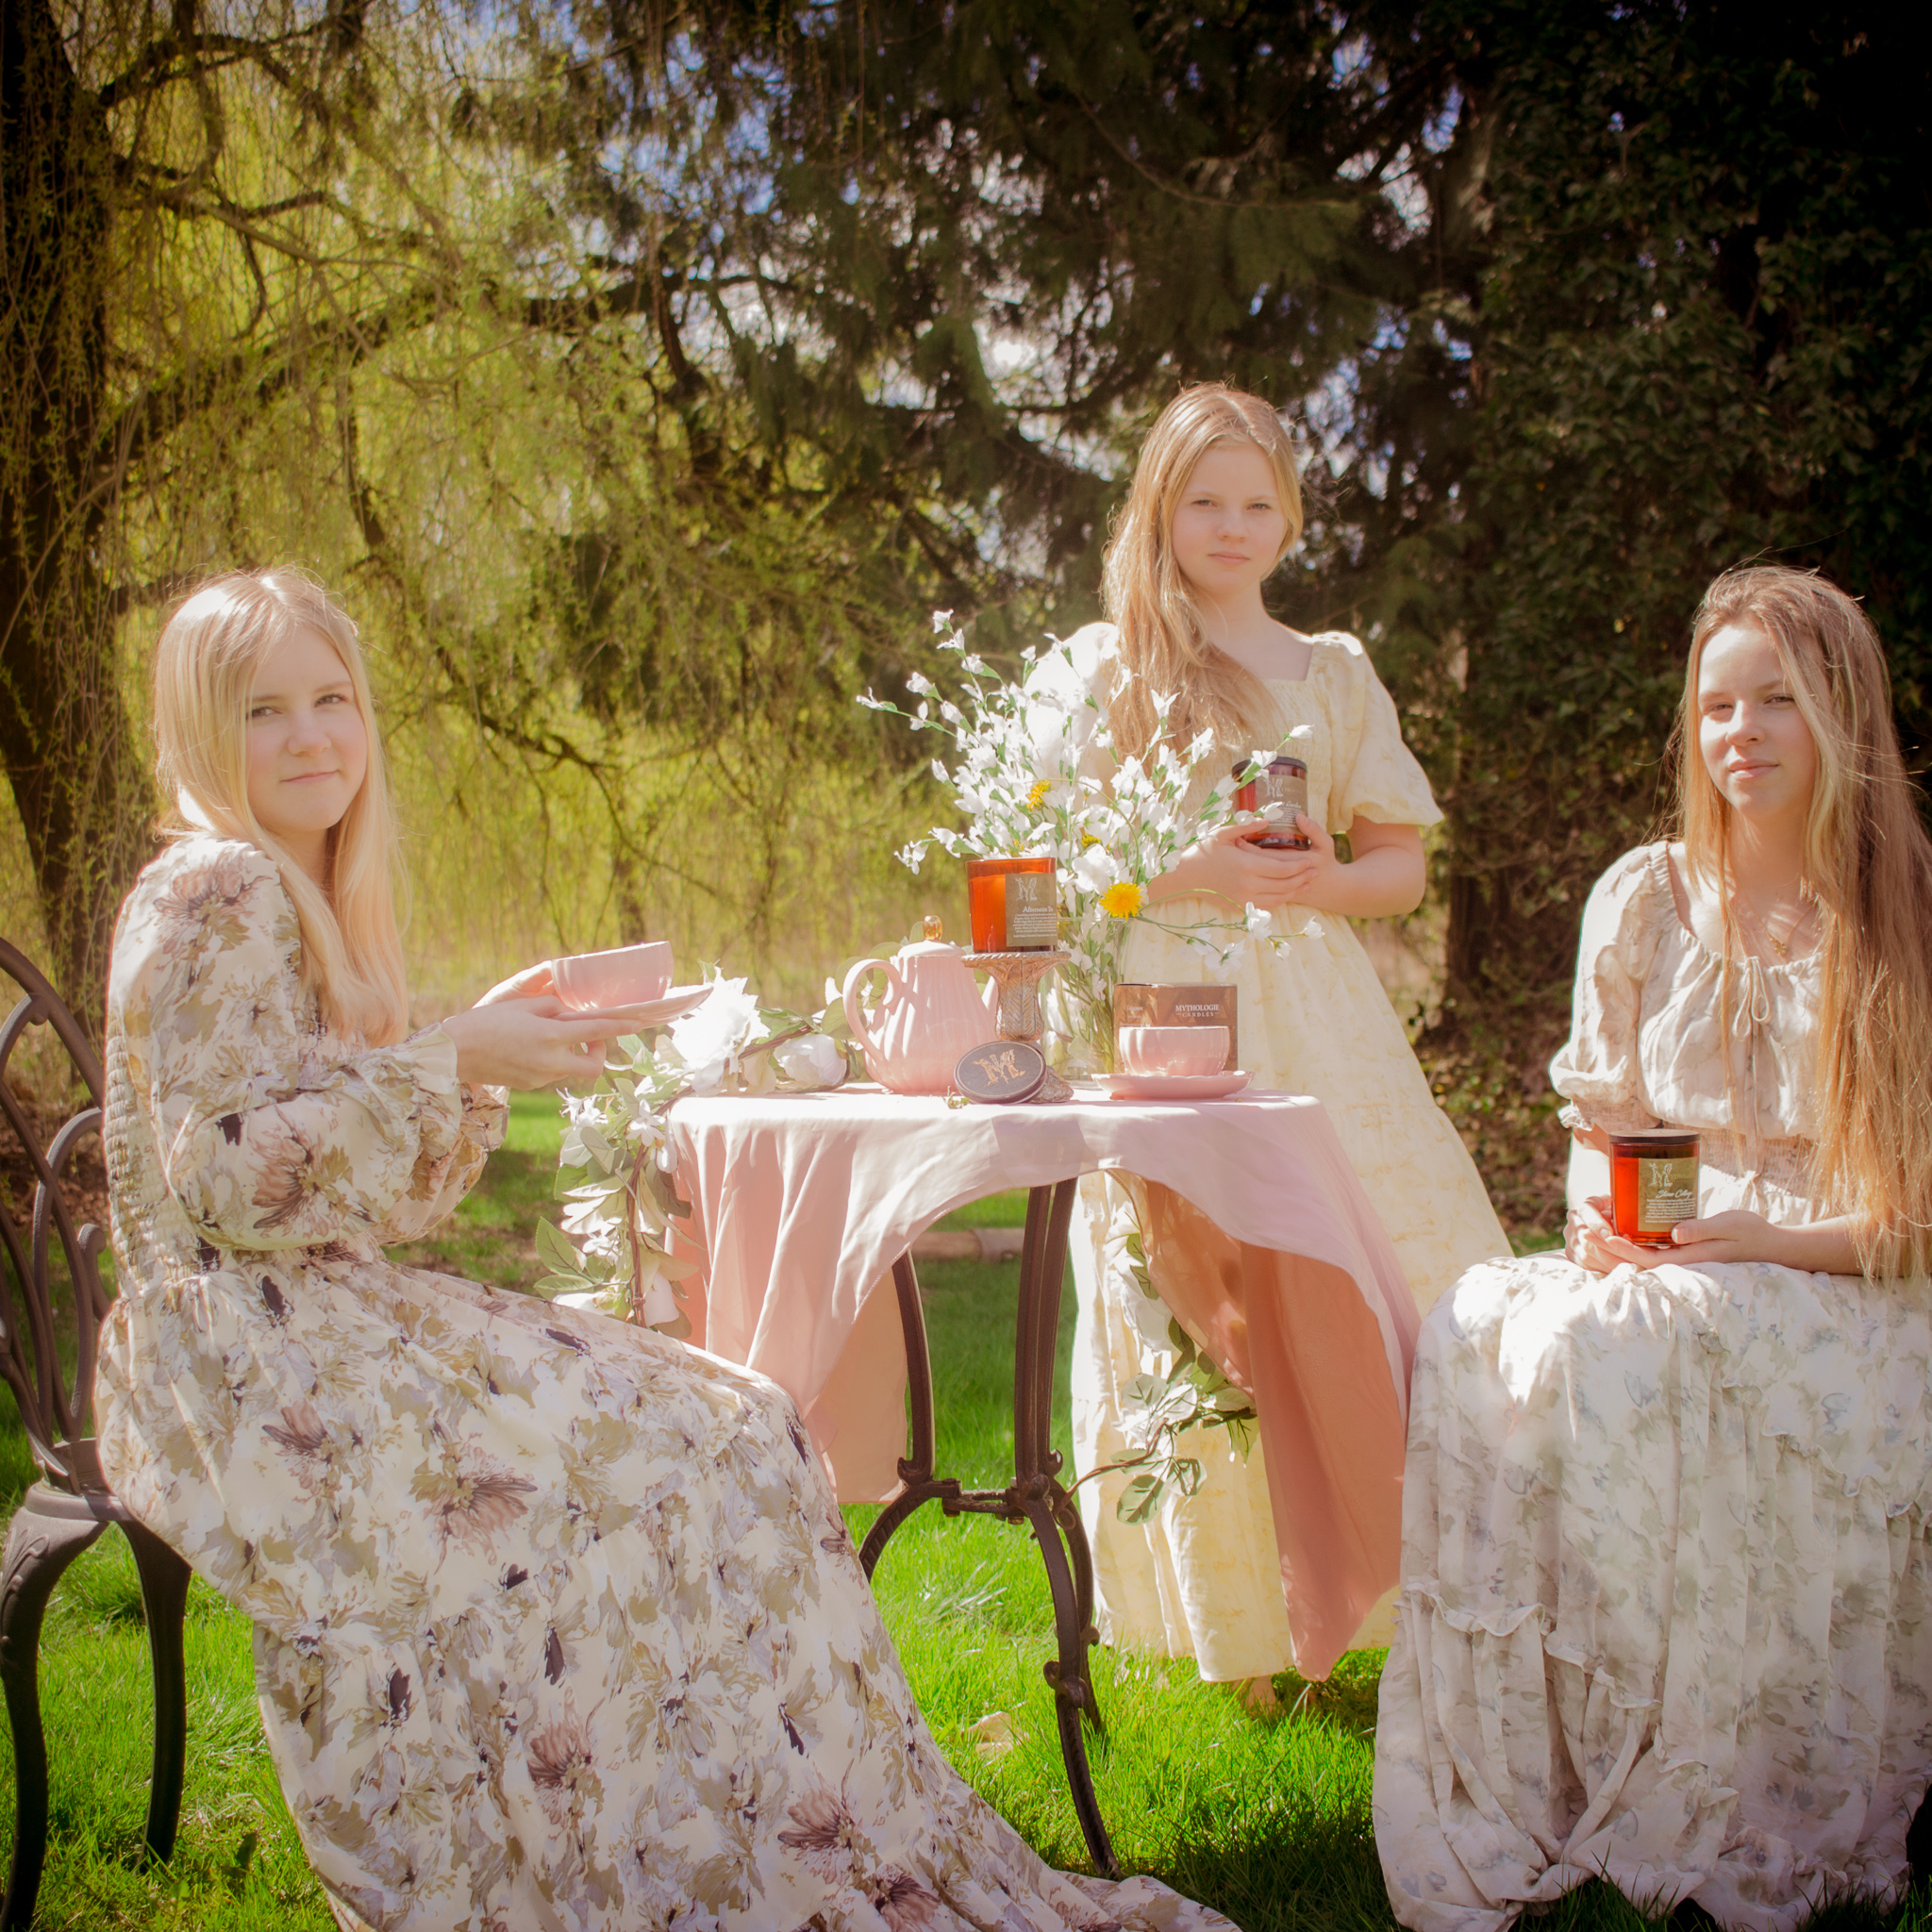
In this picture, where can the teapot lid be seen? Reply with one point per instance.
(935, 941)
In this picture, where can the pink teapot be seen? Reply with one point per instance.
(930, 1015)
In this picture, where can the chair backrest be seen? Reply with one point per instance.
(37, 1211)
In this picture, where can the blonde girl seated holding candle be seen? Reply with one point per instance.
(556, 1622)
(1214, 509)
(1667, 1604)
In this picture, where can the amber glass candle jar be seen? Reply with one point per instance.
(1023, 916)
(1653, 1184)
(1283, 783)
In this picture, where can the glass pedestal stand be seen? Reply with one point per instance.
(1018, 976)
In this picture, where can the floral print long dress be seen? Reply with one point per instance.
(1666, 1610)
(556, 1623)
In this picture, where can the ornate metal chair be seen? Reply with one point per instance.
(69, 1509)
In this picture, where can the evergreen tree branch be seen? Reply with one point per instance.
(203, 53)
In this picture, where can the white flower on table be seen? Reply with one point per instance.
(811, 1061)
(710, 1039)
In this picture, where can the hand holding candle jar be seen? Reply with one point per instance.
(1653, 1184)
(1279, 790)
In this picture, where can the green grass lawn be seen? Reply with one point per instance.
(1265, 1817)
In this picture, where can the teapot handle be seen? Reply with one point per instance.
(855, 1013)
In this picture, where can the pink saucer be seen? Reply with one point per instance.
(678, 1001)
(1172, 1086)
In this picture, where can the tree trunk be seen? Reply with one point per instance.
(83, 800)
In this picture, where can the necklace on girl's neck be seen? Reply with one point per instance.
(1779, 927)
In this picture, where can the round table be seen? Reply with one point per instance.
(804, 1204)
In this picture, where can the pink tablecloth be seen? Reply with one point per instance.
(1263, 1243)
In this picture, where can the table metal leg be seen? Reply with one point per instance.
(917, 1483)
(1035, 1497)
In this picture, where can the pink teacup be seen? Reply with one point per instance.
(625, 977)
(1186, 1051)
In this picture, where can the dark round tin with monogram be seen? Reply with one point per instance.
(1001, 1071)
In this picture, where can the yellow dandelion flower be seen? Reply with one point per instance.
(1036, 797)
(1121, 900)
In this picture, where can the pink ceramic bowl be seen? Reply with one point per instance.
(1188, 1051)
(626, 976)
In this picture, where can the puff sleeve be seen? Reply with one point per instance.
(266, 1142)
(1375, 776)
(1598, 1070)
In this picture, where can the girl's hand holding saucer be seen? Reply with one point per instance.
(533, 982)
(507, 1040)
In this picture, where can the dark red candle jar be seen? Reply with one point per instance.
(1283, 783)
(1653, 1184)
(1024, 921)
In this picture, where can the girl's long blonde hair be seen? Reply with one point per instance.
(1163, 644)
(204, 665)
(1868, 864)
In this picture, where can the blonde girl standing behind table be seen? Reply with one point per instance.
(1215, 506)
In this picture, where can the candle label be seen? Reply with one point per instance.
(1033, 910)
(1283, 786)
(1666, 1194)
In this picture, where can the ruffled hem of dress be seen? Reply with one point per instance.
(1734, 1884)
(1501, 1623)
